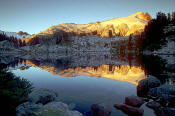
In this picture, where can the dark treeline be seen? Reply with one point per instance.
(153, 36)
(15, 41)
(13, 91)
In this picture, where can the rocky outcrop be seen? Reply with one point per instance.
(161, 97)
(138, 20)
(166, 93)
(135, 29)
(108, 31)
(145, 84)
(144, 16)
(122, 29)
(159, 110)
(71, 44)
(44, 102)
(22, 33)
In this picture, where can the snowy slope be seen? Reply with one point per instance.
(14, 34)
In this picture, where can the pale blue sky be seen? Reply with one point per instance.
(34, 16)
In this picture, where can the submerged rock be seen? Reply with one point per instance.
(153, 105)
(42, 96)
(134, 101)
(145, 84)
(100, 110)
(131, 111)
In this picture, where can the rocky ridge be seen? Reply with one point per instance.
(123, 26)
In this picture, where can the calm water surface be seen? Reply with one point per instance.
(83, 81)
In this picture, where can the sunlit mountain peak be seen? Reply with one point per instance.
(122, 26)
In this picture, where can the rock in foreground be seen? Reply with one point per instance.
(43, 102)
(42, 96)
(153, 105)
(165, 92)
(131, 111)
(28, 109)
(99, 110)
(50, 109)
(145, 84)
(57, 109)
(134, 101)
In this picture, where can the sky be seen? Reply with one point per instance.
(34, 16)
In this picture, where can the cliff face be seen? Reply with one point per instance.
(123, 26)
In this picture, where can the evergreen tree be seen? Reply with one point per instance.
(153, 36)
(130, 44)
(20, 43)
(58, 39)
(169, 17)
(23, 43)
(173, 17)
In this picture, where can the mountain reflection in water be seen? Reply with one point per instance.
(132, 74)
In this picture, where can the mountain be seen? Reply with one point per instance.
(106, 36)
(123, 26)
(18, 35)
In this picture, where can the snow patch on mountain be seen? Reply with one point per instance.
(14, 34)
